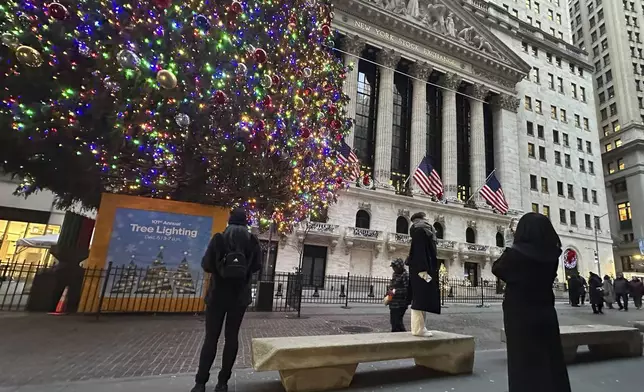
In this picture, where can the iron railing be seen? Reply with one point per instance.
(132, 289)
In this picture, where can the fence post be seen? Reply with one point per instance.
(482, 293)
(100, 299)
(300, 280)
(346, 297)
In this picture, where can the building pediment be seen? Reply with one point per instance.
(444, 26)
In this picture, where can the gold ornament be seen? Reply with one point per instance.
(29, 56)
(166, 79)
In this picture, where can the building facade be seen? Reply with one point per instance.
(476, 86)
(612, 32)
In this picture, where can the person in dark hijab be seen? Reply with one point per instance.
(596, 293)
(529, 268)
(574, 290)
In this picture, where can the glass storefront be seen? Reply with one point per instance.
(12, 231)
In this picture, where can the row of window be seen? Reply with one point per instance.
(560, 189)
(590, 168)
(577, 92)
(556, 113)
(612, 167)
(563, 216)
(552, 59)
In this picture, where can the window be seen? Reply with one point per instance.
(470, 236)
(557, 158)
(551, 81)
(363, 219)
(573, 218)
(537, 106)
(571, 191)
(582, 165)
(613, 109)
(577, 121)
(555, 136)
(535, 50)
(531, 152)
(544, 185)
(608, 147)
(583, 93)
(591, 167)
(527, 103)
(598, 225)
(620, 164)
(624, 214)
(439, 230)
(562, 216)
(573, 87)
(566, 142)
(580, 144)
(560, 188)
(524, 46)
(553, 112)
(540, 131)
(535, 75)
(609, 168)
(593, 195)
(530, 128)
(587, 221)
(562, 113)
(618, 143)
(535, 207)
(589, 147)
(584, 194)
(546, 211)
(314, 265)
(542, 153)
(567, 162)
(560, 85)
(402, 225)
(533, 182)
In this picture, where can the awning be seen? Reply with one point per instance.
(43, 241)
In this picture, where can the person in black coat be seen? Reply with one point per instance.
(596, 292)
(226, 299)
(423, 274)
(574, 290)
(529, 268)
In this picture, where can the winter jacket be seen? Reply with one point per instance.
(636, 288)
(231, 293)
(400, 283)
(609, 292)
(621, 286)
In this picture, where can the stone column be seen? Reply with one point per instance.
(388, 59)
(421, 71)
(506, 148)
(449, 174)
(353, 46)
(478, 93)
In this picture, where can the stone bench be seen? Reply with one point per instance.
(322, 363)
(607, 341)
(639, 325)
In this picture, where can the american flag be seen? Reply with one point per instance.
(428, 179)
(493, 194)
(348, 156)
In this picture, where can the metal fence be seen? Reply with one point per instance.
(158, 289)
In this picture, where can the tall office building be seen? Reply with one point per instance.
(612, 33)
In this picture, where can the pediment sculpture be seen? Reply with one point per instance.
(435, 16)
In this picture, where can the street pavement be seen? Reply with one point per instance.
(74, 353)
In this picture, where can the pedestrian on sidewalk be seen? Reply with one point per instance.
(529, 267)
(621, 292)
(636, 288)
(609, 292)
(584, 290)
(231, 259)
(596, 293)
(399, 300)
(574, 290)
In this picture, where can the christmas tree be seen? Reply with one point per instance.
(183, 282)
(156, 280)
(127, 278)
(220, 102)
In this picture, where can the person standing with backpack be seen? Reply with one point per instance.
(232, 258)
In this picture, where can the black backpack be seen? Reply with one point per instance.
(234, 263)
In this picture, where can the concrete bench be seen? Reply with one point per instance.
(322, 363)
(607, 341)
(639, 325)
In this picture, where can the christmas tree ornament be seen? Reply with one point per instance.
(110, 84)
(326, 30)
(336, 124)
(10, 40)
(298, 103)
(240, 146)
(267, 101)
(241, 69)
(29, 56)
(58, 11)
(333, 110)
(162, 3)
(220, 97)
(237, 7)
(166, 79)
(266, 81)
(307, 72)
(260, 125)
(202, 22)
(306, 133)
(260, 55)
(276, 80)
(182, 119)
(83, 49)
(128, 59)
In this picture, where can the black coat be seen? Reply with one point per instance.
(535, 354)
(596, 289)
(425, 296)
(226, 293)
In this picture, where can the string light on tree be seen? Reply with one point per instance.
(216, 102)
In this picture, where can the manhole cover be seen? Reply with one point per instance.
(356, 329)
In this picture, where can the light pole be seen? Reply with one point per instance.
(599, 268)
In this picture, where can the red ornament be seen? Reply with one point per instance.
(336, 124)
(333, 110)
(306, 133)
(237, 7)
(260, 55)
(276, 80)
(58, 11)
(267, 101)
(326, 30)
(220, 97)
(307, 91)
(366, 181)
(339, 180)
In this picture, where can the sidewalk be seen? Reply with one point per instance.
(398, 376)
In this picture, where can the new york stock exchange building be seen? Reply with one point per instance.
(453, 81)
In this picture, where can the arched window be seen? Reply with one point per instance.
(363, 219)
(402, 225)
(470, 236)
(500, 241)
(439, 230)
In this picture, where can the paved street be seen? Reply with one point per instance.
(39, 350)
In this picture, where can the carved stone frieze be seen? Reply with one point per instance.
(421, 70)
(494, 78)
(450, 81)
(364, 206)
(403, 212)
(479, 91)
(507, 102)
(353, 44)
(440, 219)
(388, 58)
(472, 224)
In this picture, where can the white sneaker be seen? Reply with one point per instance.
(427, 333)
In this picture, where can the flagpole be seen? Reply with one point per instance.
(412, 173)
(481, 187)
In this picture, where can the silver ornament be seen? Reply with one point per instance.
(266, 81)
(182, 119)
(10, 40)
(241, 69)
(128, 59)
(308, 72)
